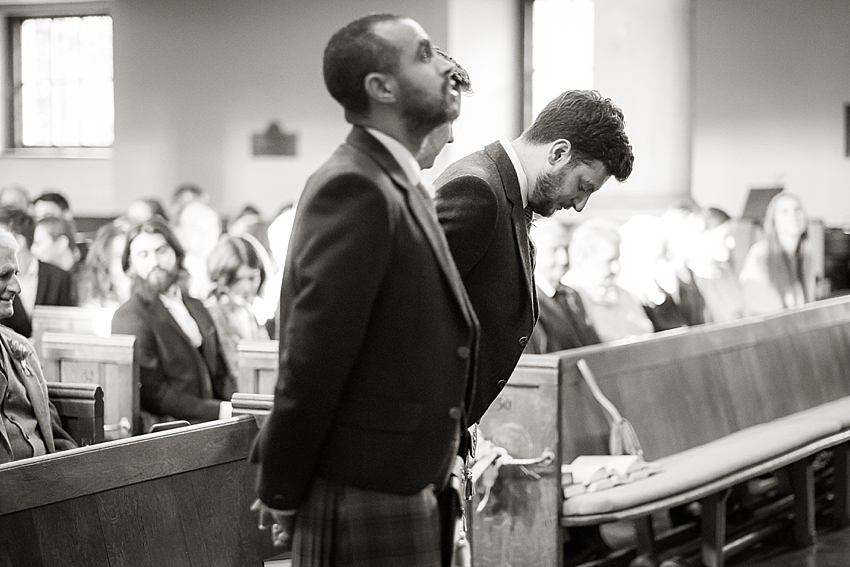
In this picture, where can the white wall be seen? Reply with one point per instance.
(196, 78)
(770, 83)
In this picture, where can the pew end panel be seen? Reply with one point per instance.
(76, 320)
(111, 362)
(80, 407)
(258, 364)
(179, 498)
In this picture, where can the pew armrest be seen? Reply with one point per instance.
(80, 407)
(257, 405)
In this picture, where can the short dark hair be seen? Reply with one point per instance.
(18, 222)
(56, 198)
(57, 227)
(155, 225)
(594, 125)
(352, 53)
(715, 217)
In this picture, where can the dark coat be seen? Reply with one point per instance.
(54, 288)
(377, 338)
(178, 380)
(480, 208)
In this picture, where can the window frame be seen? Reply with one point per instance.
(12, 12)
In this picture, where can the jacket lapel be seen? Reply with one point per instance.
(422, 210)
(32, 379)
(508, 174)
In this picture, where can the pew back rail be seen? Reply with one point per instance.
(110, 362)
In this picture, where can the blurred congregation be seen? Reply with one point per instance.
(177, 231)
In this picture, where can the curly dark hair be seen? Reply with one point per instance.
(594, 126)
(352, 53)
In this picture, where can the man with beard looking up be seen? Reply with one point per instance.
(486, 202)
(377, 338)
(183, 372)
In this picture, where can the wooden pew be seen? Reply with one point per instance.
(258, 361)
(179, 498)
(80, 408)
(109, 362)
(76, 320)
(732, 393)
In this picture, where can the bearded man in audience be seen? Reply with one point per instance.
(29, 424)
(184, 375)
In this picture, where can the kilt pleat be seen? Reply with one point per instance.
(341, 526)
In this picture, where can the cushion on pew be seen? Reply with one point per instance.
(838, 410)
(706, 463)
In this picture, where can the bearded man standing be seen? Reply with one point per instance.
(184, 375)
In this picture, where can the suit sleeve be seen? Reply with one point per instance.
(468, 211)
(339, 251)
(157, 395)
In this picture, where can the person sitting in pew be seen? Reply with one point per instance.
(42, 283)
(778, 271)
(29, 423)
(184, 374)
(563, 322)
(594, 254)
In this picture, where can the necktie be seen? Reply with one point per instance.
(529, 218)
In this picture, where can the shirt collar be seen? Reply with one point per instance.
(401, 154)
(520, 173)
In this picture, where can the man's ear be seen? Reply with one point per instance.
(560, 152)
(381, 87)
(63, 241)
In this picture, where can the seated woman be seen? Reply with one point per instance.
(103, 282)
(778, 270)
(237, 273)
(594, 254)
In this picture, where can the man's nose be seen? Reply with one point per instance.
(14, 285)
(580, 202)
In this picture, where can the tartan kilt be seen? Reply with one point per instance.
(342, 526)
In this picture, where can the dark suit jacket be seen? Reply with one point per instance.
(563, 323)
(480, 208)
(377, 338)
(55, 438)
(178, 380)
(54, 288)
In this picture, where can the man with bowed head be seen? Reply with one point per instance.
(486, 202)
(378, 340)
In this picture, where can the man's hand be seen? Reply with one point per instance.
(281, 521)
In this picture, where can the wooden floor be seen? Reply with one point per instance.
(832, 549)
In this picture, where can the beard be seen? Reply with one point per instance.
(423, 112)
(547, 190)
(158, 281)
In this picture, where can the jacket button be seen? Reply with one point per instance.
(463, 352)
(501, 383)
(454, 413)
(523, 341)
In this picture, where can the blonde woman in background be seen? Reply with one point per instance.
(778, 270)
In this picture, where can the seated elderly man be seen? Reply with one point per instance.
(184, 375)
(29, 424)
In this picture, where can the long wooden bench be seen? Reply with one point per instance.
(714, 405)
(179, 498)
(110, 362)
